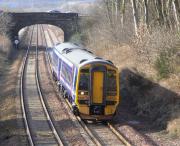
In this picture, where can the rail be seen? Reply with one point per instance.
(24, 107)
(85, 127)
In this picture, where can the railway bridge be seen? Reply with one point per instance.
(68, 22)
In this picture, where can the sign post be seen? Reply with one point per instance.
(16, 42)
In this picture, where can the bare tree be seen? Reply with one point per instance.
(158, 4)
(168, 12)
(116, 8)
(6, 23)
(109, 15)
(176, 2)
(146, 12)
(175, 14)
(135, 15)
(165, 13)
(122, 12)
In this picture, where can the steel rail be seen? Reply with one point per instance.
(94, 139)
(120, 136)
(27, 127)
(111, 127)
(42, 100)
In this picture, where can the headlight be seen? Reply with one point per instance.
(82, 93)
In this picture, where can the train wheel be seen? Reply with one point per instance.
(115, 113)
(61, 88)
(62, 91)
(65, 94)
(104, 122)
(54, 77)
(75, 110)
(85, 121)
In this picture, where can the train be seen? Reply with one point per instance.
(88, 82)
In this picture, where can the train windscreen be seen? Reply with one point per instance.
(111, 83)
(84, 80)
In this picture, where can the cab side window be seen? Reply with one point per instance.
(111, 82)
(84, 80)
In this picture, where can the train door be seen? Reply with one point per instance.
(97, 93)
(98, 76)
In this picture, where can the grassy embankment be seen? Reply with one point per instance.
(148, 64)
(10, 61)
(7, 99)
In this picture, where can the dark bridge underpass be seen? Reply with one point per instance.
(68, 22)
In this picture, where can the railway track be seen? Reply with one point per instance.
(101, 134)
(38, 124)
(77, 135)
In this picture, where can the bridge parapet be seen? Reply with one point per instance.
(68, 22)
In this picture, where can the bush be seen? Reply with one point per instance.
(79, 38)
(155, 50)
(6, 23)
(174, 127)
(162, 65)
(6, 46)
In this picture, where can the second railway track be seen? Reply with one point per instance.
(39, 127)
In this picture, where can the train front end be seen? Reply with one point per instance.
(97, 91)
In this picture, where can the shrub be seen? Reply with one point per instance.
(79, 38)
(174, 127)
(5, 46)
(6, 23)
(162, 65)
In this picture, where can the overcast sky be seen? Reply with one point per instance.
(44, 5)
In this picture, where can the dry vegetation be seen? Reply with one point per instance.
(9, 64)
(5, 43)
(5, 46)
(147, 55)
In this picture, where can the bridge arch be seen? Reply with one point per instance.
(65, 21)
(57, 32)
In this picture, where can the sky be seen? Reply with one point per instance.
(43, 5)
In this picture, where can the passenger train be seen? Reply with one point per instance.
(90, 83)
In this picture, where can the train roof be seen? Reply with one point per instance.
(78, 55)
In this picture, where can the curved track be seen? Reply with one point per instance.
(38, 124)
(101, 134)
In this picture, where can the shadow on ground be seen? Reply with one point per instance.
(145, 100)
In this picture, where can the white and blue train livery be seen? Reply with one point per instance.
(90, 83)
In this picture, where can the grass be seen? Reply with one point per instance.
(79, 38)
(162, 65)
(6, 47)
(8, 79)
(7, 102)
(167, 62)
(174, 128)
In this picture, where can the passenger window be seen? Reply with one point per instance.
(111, 82)
(84, 80)
(55, 59)
(67, 74)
